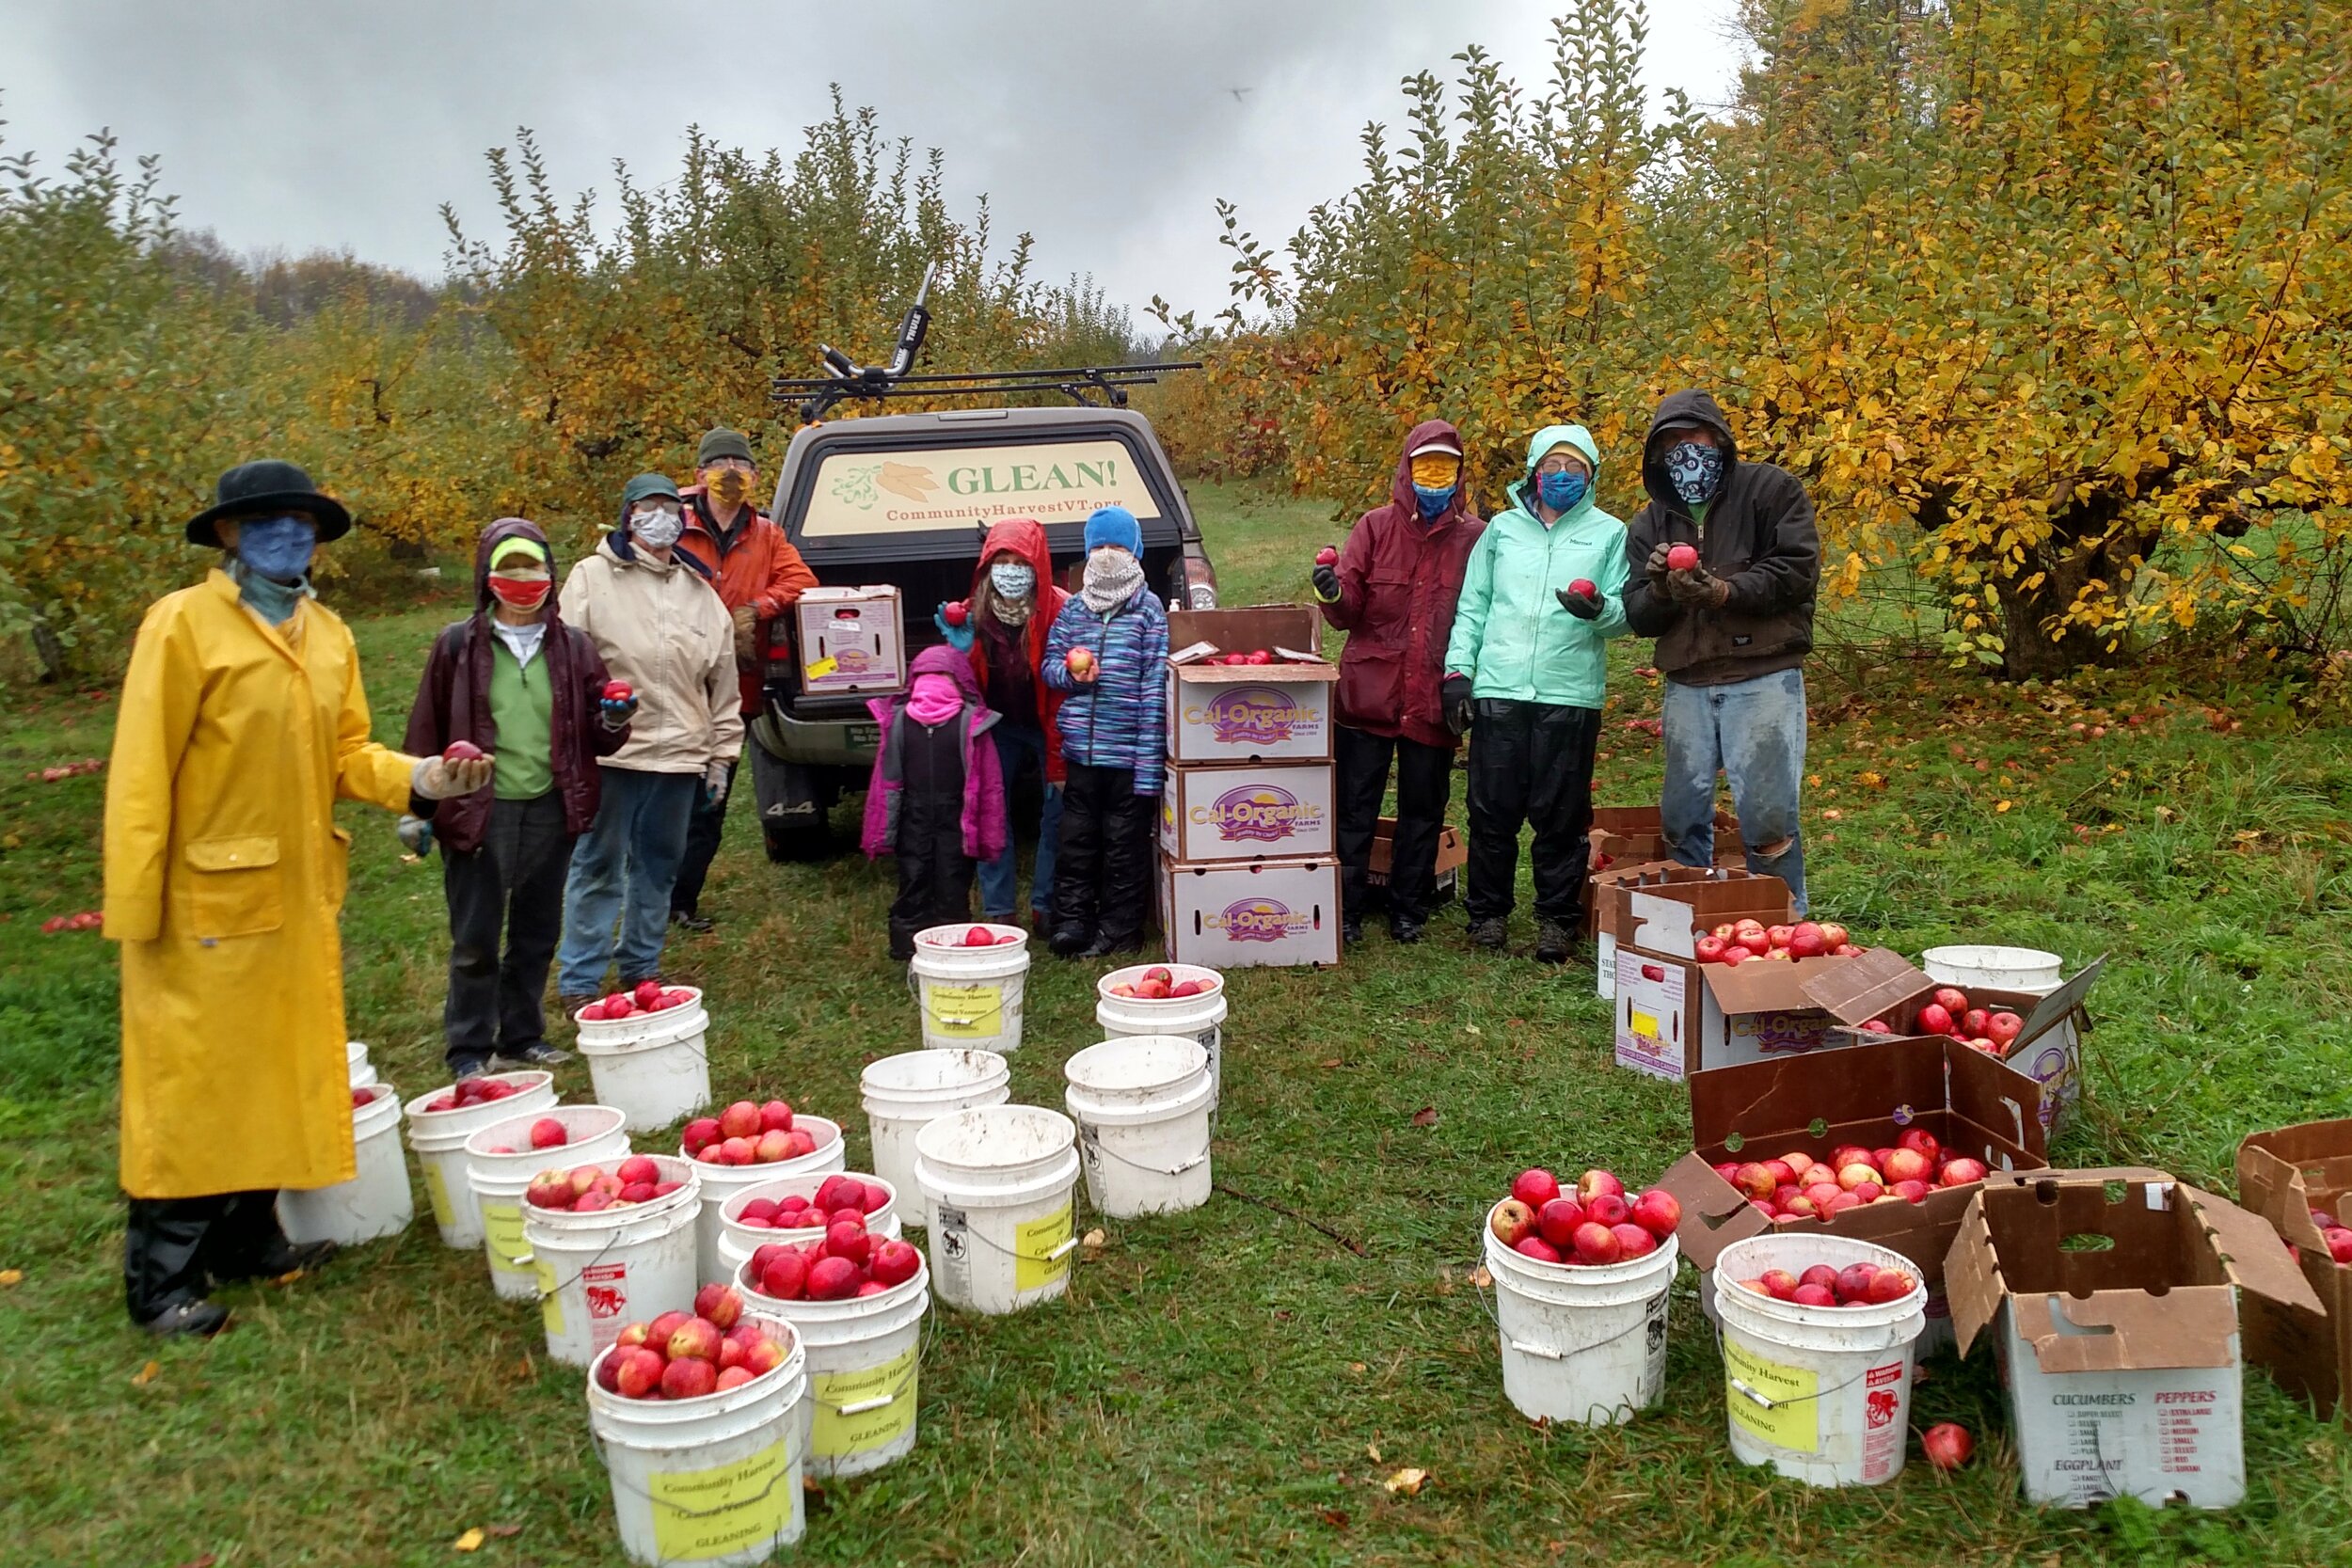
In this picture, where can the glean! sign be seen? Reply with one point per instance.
(1259, 813)
(949, 487)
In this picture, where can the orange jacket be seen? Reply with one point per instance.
(759, 568)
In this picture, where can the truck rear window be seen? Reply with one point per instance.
(912, 490)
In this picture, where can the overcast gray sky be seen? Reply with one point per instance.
(1107, 129)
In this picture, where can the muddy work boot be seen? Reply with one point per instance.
(1554, 942)
(1490, 933)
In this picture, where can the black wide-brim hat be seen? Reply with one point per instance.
(266, 488)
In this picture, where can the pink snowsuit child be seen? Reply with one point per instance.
(937, 797)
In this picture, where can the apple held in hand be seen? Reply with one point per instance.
(1582, 587)
(1327, 557)
(461, 751)
(957, 613)
(1080, 662)
(1682, 558)
(618, 691)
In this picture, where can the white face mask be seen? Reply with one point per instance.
(657, 528)
(1012, 579)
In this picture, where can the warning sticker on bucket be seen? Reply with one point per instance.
(437, 1192)
(699, 1515)
(864, 1409)
(550, 1299)
(1039, 1256)
(504, 1224)
(963, 1012)
(951, 1231)
(1772, 1402)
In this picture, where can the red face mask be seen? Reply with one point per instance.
(524, 594)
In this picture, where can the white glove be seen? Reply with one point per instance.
(436, 780)
(715, 783)
(416, 835)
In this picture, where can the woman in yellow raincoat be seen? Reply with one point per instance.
(242, 722)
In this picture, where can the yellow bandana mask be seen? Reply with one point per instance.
(729, 486)
(1434, 471)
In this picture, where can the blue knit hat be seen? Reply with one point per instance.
(1115, 524)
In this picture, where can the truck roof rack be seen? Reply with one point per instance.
(846, 381)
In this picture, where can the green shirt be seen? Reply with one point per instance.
(522, 708)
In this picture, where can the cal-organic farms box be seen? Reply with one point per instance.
(1225, 713)
(850, 640)
(1624, 837)
(1252, 912)
(2285, 1176)
(2048, 1049)
(1275, 810)
(2111, 1299)
(1716, 895)
(1453, 854)
(1764, 1110)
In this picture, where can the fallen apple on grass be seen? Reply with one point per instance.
(1947, 1444)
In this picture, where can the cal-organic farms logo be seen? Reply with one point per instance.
(861, 486)
(1264, 812)
(1258, 920)
(1254, 715)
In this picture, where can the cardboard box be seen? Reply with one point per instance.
(1716, 895)
(1763, 1110)
(1277, 809)
(1677, 1016)
(1219, 713)
(2282, 1175)
(851, 640)
(1624, 837)
(2111, 1301)
(2048, 1051)
(1254, 912)
(1453, 854)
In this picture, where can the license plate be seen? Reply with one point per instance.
(864, 735)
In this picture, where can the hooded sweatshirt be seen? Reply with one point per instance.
(1758, 536)
(1023, 538)
(983, 818)
(453, 703)
(1400, 578)
(661, 628)
(1511, 636)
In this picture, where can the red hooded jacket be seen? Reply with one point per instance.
(1399, 581)
(1025, 537)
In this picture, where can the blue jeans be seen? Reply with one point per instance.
(621, 872)
(1000, 878)
(1754, 731)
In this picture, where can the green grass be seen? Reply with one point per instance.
(1216, 1387)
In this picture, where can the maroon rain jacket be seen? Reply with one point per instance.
(453, 703)
(1399, 581)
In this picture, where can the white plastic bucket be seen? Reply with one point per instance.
(1142, 1105)
(602, 1271)
(970, 996)
(1821, 1394)
(714, 1480)
(721, 1182)
(998, 1180)
(1201, 1015)
(738, 1241)
(2027, 969)
(865, 1356)
(362, 1070)
(901, 1093)
(377, 1200)
(655, 1067)
(1582, 1344)
(440, 1139)
(496, 1181)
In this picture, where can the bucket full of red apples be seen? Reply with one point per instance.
(610, 1247)
(646, 1051)
(1580, 1278)
(748, 1144)
(857, 1301)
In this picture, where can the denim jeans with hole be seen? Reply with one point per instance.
(621, 872)
(1752, 731)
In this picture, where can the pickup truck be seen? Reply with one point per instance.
(905, 498)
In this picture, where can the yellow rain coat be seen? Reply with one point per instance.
(224, 877)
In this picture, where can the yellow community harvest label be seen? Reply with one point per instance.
(849, 1422)
(1038, 1257)
(1792, 1421)
(965, 1010)
(437, 1192)
(699, 1515)
(550, 1300)
(504, 1224)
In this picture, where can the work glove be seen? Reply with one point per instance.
(436, 780)
(416, 835)
(1655, 569)
(746, 633)
(715, 784)
(1697, 588)
(1581, 606)
(1454, 697)
(958, 638)
(1326, 583)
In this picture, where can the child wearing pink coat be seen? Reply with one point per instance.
(937, 797)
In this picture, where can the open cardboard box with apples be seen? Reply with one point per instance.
(1866, 1097)
(2292, 1178)
(2113, 1299)
(2037, 1037)
(1623, 838)
(1715, 895)
(1279, 710)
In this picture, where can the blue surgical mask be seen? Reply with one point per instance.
(1433, 503)
(1012, 580)
(1562, 492)
(1693, 468)
(277, 549)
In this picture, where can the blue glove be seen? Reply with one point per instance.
(958, 638)
(617, 711)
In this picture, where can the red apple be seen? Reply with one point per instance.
(1813, 1296)
(1537, 1248)
(1951, 999)
(1079, 661)
(731, 1377)
(1327, 557)
(771, 1148)
(2003, 1028)
(1709, 949)
(637, 1169)
(688, 1379)
(872, 1197)
(658, 1332)
(1920, 1141)
(833, 1279)
(1833, 935)
(803, 1142)
(895, 1262)
(1595, 1182)
(1959, 1173)
(1907, 1165)
(1947, 1444)
(1632, 1239)
(2339, 1244)
(1584, 588)
(701, 1133)
(697, 1338)
(853, 1242)
(762, 1356)
(1853, 1282)
(1756, 1179)
(1609, 1209)
(741, 1120)
(1734, 955)
(1657, 1212)
(617, 691)
(1806, 945)
(1681, 558)
(1779, 1284)
(1890, 1284)
(957, 613)
(1868, 1192)
(1556, 1222)
(639, 1371)
(1877, 1026)
(1596, 1244)
(1975, 1021)
(763, 1255)
(461, 751)
(784, 1276)
(718, 1305)
(1936, 1019)
(1855, 1175)
(1820, 1193)
(1780, 936)
(1511, 1222)
(1535, 1187)
(548, 1132)
(838, 1192)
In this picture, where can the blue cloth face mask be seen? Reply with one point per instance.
(1012, 580)
(277, 549)
(1562, 492)
(1433, 503)
(1693, 468)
